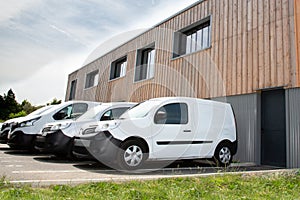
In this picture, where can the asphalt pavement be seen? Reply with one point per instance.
(22, 167)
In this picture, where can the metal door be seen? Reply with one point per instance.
(273, 124)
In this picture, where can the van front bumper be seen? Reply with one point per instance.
(56, 142)
(101, 146)
(20, 140)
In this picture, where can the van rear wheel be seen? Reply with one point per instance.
(223, 155)
(131, 155)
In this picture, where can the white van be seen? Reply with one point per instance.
(22, 135)
(7, 125)
(170, 128)
(58, 137)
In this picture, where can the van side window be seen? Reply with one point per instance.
(78, 110)
(175, 113)
(113, 114)
(71, 111)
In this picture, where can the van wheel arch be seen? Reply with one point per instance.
(127, 145)
(224, 153)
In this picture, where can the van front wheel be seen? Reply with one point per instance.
(223, 155)
(131, 155)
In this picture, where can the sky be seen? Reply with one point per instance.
(41, 42)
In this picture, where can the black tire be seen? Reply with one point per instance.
(67, 153)
(223, 155)
(131, 155)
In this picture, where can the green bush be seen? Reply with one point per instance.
(19, 114)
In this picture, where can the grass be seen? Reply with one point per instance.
(272, 186)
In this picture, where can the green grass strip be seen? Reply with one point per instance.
(248, 186)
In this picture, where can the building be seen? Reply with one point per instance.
(243, 52)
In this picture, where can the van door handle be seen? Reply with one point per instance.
(187, 131)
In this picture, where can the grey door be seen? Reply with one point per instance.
(273, 133)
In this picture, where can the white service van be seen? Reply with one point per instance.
(8, 124)
(170, 128)
(58, 137)
(22, 134)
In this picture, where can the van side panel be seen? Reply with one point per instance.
(212, 123)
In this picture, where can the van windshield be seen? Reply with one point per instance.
(141, 110)
(40, 110)
(92, 113)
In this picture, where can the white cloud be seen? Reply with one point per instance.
(42, 40)
(11, 8)
(48, 83)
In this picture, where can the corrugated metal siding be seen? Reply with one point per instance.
(293, 127)
(247, 113)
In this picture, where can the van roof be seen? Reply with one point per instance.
(59, 106)
(188, 99)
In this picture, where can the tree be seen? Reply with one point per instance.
(27, 107)
(54, 102)
(10, 108)
(8, 105)
(2, 107)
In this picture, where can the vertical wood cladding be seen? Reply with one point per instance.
(297, 40)
(252, 43)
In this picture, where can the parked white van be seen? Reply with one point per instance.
(22, 135)
(58, 137)
(7, 125)
(170, 128)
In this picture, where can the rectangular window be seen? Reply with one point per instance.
(193, 38)
(145, 63)
(174, 113)
(73, 90)
(118, 68)
(92, 79)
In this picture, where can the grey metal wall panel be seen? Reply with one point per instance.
(246, 108)
(293, 127)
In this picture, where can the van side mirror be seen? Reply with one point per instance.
(160, 117)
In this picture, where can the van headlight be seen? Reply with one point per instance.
(60, 126)
(29, 122)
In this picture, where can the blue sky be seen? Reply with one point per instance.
(41, 42)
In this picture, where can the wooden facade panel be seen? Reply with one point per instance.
(249, 42)
(286, 43)
(250, 49)
(297, 41)
(279, 43)
(244, 51)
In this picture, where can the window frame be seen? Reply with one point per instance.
(88, 81)
(181, 123)
(180, 37)
(114, 65)
(70, 111)
(140, 59)
(73, 86)
(112, 110)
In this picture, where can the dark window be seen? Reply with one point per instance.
(113, 114)
(118, 68)
(92, 79)
(71, 111)
(193, 38)
(175, 113)
(73, 90)
(145, 63)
